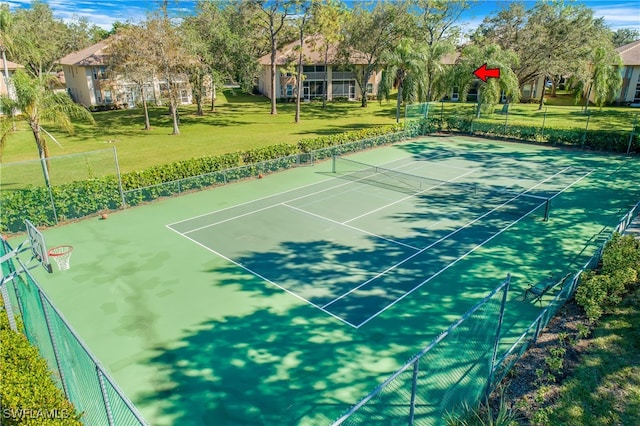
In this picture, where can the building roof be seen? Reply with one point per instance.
(313, 53)
(630, 53)
(10, 65)
(87, 57)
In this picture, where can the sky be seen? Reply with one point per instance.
(617, 13)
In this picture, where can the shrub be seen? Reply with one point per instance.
(28, 394)
(599, 291)
(83, 198)
(597, 140)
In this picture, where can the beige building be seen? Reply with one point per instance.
(630, 90)
(11, 67)
(90, 83)
(341, 83)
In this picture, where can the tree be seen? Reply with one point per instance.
(623, 36)
(369, 33)
(304, 10)
(271, 16)
(5, 40)
(548, 39)
(38, 104)
(128, 54)
(435, 25)
(38, 39)
(599, 73)
(489, 93)
(404, 61)
(327, 20)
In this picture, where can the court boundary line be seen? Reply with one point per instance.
(262, 277)
(322, 308)
(349, 226)
(274, 195)
(467, 253)
(447, 236)
(409, 196)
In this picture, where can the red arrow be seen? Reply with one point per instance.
(483, 73)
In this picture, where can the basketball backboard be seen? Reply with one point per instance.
(38, 246)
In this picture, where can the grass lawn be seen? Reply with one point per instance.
(244, 122)
(605, 388)
(560, 112)
(240, 122)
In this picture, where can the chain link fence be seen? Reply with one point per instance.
(75, 370)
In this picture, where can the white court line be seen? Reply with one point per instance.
(409, 196)
(275, 195)
(267, 207)
(261, 277)
(351, 227)
(448, 266)
(444, 238)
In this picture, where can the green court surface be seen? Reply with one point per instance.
(285, 300)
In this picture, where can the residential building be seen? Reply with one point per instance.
(89, 81)
(5, 86)
(341, 82)
(630, 90)
(11, 67)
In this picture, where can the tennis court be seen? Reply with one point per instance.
(364, 209)
(285, 300)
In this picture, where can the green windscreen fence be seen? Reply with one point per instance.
(455, 368)
(419, 111)
(74, 369)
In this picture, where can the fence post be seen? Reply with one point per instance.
(633, 132)
(498, 332)
(586, 127)
(414, 388)
(105, 397)
(47, 182)
(544, 119)
(115, 156)
(506, 118)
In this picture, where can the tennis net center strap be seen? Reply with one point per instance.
(413, 184)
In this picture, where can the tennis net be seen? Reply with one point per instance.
(413, 184)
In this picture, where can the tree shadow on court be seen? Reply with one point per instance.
(287, 363)
(282, 361)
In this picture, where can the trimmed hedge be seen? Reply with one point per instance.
(83, 198)
(28, 395)
(597, 140)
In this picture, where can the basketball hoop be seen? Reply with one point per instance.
(61, 255)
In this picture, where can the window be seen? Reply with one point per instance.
(370, 88)
(308, 68)
(455, 93)
(107, 96)
(343, 88)
(289, 91)
(184, 96)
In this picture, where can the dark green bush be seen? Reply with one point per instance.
(597, 140)
(28, 394)
(605, 288)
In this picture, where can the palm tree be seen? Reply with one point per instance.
(5, 40)
(489, 93)
(37, 104)
(402, 62)
(600, 75)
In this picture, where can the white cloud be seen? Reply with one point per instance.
(620, 15)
